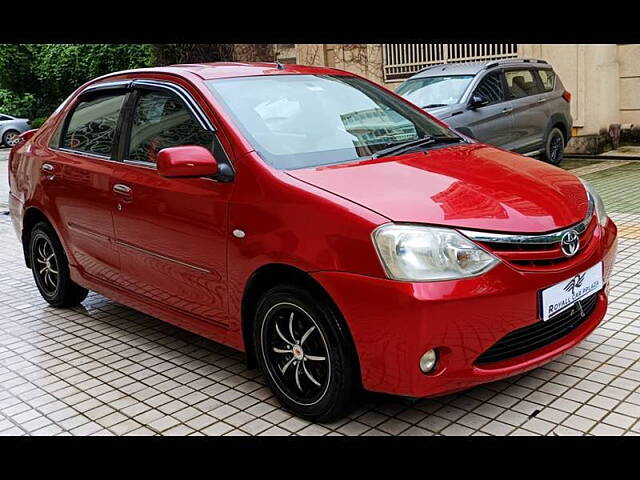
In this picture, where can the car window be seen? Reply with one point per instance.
(491, 88)
(432, 92)
(548, 78)
(521, 83)
(54, 141)
(161, 120)
(299, 121)
(3, 117)
(92, 125)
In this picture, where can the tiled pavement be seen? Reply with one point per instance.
(104, 369)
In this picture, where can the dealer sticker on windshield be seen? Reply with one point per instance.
(563, 295)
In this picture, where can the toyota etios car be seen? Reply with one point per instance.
(336, 233)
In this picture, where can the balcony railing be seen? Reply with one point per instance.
(401, 60)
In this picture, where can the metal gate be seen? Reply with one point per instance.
(401, 60)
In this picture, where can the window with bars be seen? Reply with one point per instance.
(401, 60)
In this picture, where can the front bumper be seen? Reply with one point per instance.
(393, 323)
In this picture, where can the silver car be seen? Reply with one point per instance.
(516, 104)
(10, 128)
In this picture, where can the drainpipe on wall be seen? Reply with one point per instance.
(614, 134)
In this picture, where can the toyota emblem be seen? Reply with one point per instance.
(570, 243)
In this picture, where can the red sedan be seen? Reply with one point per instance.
(336, 233)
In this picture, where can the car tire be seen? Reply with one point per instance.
(553, 152)
(10, 138)
(50, 268)
(305, 354)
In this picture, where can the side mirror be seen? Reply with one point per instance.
(24, 136)
(477, 101)
(186, 161)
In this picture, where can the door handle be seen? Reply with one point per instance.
(47, 167)
(542, 100)
(121, 189)
(507, 110)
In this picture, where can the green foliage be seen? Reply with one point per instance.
(36, 78)
(38, 122)
(18, 105)
(16, 68)
(63, 68)
(175, 53)
(39, 77)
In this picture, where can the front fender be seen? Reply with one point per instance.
(289, 222)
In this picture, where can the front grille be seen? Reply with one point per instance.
(538, 251)
(532, 337)
(537, 255)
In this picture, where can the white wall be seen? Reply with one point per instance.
(629, 61)
(591, 74)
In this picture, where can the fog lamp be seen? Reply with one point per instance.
(428, 361)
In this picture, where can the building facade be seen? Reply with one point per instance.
(604, 79)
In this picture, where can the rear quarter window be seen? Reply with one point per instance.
(548, 79)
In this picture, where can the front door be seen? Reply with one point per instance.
(171, 232)
(491, 123)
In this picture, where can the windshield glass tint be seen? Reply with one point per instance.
(430, 92)
(298, 121)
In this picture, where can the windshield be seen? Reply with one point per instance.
(431, 92)
(300, 121)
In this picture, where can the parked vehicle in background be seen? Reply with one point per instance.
(516, 104)
(11, 128)
(335, 232)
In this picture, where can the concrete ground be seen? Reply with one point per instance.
(105, 369)
(4, 186)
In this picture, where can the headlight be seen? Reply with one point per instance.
(598, 203)
(417, 253)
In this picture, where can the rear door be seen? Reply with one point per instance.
(491, 123)
(530, 117)
(171, 232)
(552, 94)
(77, 179)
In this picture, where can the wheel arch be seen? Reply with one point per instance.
(270, 275)
(32, 216)
(557, 121)
(6, 130)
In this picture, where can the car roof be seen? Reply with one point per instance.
(210, 71)
(473, 68)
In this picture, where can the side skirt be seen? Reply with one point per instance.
(217, 332)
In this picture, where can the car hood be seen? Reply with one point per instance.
(472, 186)
(444, 112)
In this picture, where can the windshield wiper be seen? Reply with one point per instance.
(435, 105)
(399, 148)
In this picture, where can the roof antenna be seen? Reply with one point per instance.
(279, 65)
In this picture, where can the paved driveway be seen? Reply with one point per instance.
(4, 186)
(104, 369)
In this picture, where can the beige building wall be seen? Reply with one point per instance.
(629, 69)
(592, 74)
(359, 58)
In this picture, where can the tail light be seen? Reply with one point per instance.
(567, 96)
